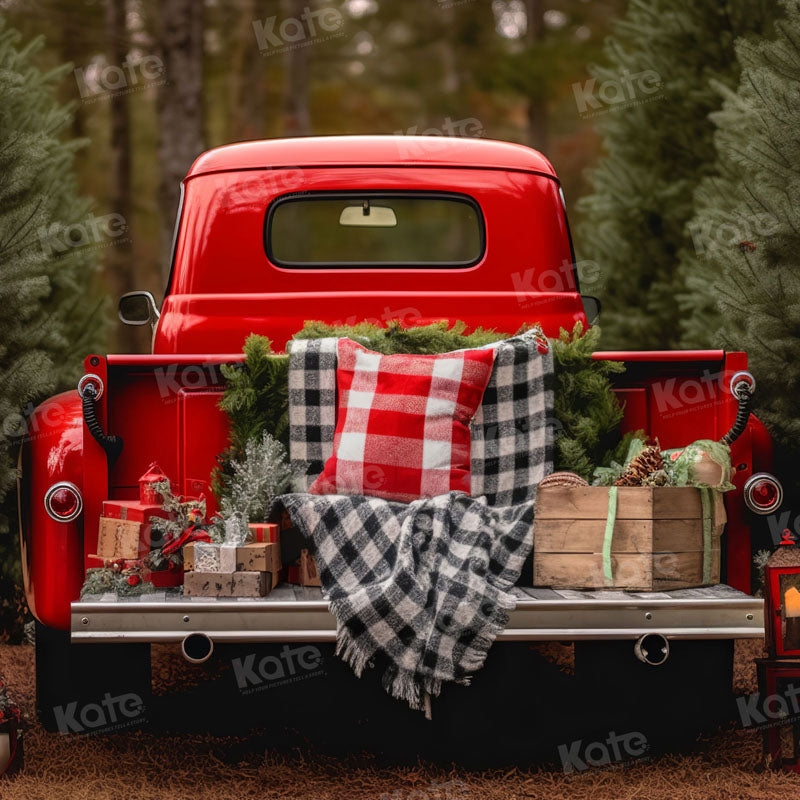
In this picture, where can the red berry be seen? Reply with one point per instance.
(133, 580)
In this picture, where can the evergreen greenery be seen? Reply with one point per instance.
(588, 412)
(256, 401)
(262, 475)
(659, 145)
(48, 321)
(100, 580)
(438, 337)
(758, 285)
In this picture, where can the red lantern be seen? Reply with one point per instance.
(147, 494)
(782, 599)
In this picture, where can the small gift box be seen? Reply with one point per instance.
(209, 557)
(267, 532)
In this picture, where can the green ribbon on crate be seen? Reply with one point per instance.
(608, 536)
(611, 518)
(705, 501)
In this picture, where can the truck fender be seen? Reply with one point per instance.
(52, 551)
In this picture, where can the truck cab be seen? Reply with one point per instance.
(478, 232)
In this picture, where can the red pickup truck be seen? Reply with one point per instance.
(488, 243)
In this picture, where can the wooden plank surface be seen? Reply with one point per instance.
(630, 571)
(585, 570)
(630, 535)
(633, 502)
(286, 592)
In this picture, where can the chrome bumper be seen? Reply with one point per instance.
(291, 614)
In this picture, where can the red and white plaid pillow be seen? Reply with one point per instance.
(402, 429)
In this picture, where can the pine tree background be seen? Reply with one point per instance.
(50, 319)
(758, 284)
(634, 224)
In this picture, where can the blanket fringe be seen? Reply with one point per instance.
(474, 657)
(417, 690)
(350, 652)
(399, 683)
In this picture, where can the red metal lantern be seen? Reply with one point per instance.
(147, 494)
(782, 599)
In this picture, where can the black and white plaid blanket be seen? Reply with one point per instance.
(424, 587)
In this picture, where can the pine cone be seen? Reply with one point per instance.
(643, 465)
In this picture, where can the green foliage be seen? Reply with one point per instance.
(758, 286)
(659, 148)
(438, 337)
(100, 580)
(255, 482)
(587, 410)
(256, 397)
(256, 401)
(48, 321)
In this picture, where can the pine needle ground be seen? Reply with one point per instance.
(204, 767)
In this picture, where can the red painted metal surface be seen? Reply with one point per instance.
(224, 287)
(52, 552)
(669, 356)
(339, 151)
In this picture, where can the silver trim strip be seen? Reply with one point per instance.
(532, 620)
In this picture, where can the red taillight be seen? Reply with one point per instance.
(763, 493)
(63, 501)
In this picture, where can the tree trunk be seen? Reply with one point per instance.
(451, 78)
(538, 128)
(179, 106)
(246, 77)
(296, 116)
(119, 258)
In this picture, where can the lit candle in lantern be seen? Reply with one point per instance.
(791, 610)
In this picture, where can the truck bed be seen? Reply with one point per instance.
(292, 613)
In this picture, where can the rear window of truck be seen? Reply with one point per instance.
(374, 229)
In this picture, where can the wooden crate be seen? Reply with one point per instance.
(657, 543)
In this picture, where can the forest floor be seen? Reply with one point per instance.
(147, 765)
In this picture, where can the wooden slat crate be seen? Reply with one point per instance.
(657, 543)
